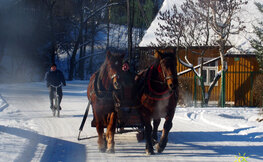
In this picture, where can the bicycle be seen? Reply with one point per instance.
(56, 106)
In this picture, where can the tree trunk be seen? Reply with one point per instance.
(108, 27)
(85, 50)
(207, 96)
(80, 62)
(75, 49)
(202, 81)
(81, 71)
(92, 45)
(53, 39)
(129, 24)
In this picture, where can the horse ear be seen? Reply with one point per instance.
(157, 54)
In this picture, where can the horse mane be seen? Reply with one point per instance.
(103, 70)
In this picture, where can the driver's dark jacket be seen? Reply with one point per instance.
(55, 78)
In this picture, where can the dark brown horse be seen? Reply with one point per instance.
(101, 92)
(159, 98)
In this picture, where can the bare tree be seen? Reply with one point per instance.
(224, 22)
(197, 33)
(171, 32)
(83, 18)
(130, 26)
(50, 5)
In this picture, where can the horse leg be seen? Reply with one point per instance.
(156, 123)
(166, 128)
(148, 135)
(101, 137)
(110, 132)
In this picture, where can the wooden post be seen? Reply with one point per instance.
(223, 89)
(195, 86)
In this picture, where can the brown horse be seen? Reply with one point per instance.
(159, 98)
(101, 93)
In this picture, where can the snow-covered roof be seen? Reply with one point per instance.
(249, 14)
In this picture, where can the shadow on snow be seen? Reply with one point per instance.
(55, 150)
(189, 141)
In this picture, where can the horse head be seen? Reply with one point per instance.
(167, 68)
(114, 67)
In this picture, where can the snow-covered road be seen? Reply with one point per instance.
(28, 132)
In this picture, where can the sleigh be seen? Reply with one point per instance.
(128, 117)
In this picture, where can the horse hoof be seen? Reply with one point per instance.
(149, 152)
(159, 149)
(102, 150)
(110, 151)
(154, 142)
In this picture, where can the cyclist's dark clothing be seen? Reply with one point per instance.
(55, 78)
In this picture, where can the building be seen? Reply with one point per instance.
(241, 62)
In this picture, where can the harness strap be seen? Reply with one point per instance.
(150, 87)
(154, 95)
(169, 77)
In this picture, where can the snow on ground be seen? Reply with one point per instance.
(28, 132)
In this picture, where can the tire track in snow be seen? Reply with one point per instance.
(214, 123)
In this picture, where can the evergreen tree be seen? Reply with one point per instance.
(257, 43)
(119, 13)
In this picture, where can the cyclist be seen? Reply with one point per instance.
(54, 77)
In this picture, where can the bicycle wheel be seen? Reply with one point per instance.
(58, 112)
(57, 106)
(54, 108)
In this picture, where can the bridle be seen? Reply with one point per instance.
(114, 77)
(167, 79)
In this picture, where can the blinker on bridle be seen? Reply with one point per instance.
(114, 75)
